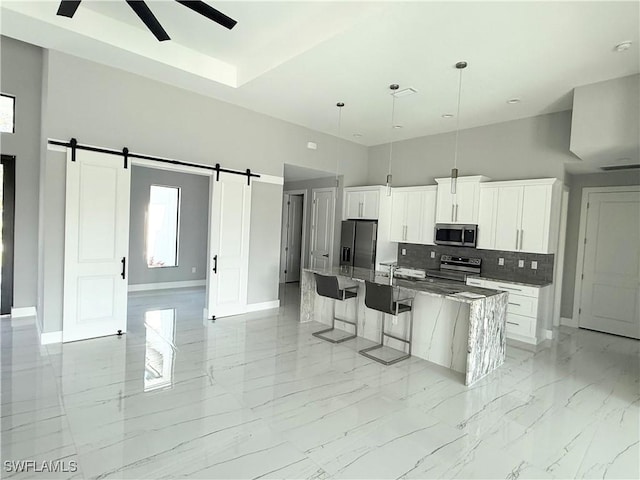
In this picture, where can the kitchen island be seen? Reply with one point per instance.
(454, 325)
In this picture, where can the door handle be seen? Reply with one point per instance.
(215, 264)
(346, 254)
(124, 267)
(326, 255)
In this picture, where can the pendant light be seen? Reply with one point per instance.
(393, 87)
(339, 105)
(454, 171)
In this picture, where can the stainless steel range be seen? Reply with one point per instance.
(456, 268)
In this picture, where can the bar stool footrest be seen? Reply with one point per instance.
(400, 355)
(324, 335)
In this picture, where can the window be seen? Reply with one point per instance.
(163, 223)
(7, 113)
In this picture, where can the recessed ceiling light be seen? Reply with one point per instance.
(397, 126)
(447, 115)
(357, 135)
(621, 47)
(405, 92)
(513, 101)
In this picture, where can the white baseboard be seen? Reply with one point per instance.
(569, 322)
(23, 312)
(255, 307)
(140, 287)
(51, 337)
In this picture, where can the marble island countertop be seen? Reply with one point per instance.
(457, 291)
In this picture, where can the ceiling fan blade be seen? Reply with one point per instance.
(68, 8)
(209, 12)
(149, 19)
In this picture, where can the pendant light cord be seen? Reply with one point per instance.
(339, 105)
(393, 115)
(455, 154)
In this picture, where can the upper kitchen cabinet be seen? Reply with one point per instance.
(520, 216)
(361, 203)
(462, 206)
(413, 214)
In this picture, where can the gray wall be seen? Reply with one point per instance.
(309, 185)
(194, 221)
(576, 184)
(21, 66)
(104, 106)
(534, 147)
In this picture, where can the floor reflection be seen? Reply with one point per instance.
(160, 326)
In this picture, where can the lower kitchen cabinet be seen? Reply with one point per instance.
(527, 308)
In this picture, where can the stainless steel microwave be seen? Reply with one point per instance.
(456, 234)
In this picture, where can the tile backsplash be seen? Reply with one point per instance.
(419, 256)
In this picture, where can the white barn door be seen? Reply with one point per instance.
(96, 246)
(228, 246)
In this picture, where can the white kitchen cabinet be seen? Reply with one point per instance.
(413, 214)
(361, 203)
(524, 216)
(461, 207)
(527, 308)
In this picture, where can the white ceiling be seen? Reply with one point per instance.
(295, 60)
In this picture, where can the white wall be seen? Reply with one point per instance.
(21, 67)
(534, 147)
(104, 106)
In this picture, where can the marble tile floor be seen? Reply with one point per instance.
(257, 396)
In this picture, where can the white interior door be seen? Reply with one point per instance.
(228, 245)
(322, 227)
(294, 237)
(96, 246)
(611, 285)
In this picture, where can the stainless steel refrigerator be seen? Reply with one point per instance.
(358, 243)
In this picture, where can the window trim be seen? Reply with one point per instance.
(13, 98)
(178, 221)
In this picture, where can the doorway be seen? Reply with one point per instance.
(322, 227)
(293, 235)
(608, 274)
(7, 196)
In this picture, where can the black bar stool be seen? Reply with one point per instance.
(328, 287)
(380, 297)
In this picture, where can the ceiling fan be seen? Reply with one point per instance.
(68, 8)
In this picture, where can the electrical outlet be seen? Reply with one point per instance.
(521, 263)
(433, 254)
(534, 265)
(403, 251)
(501, 261)
(193, 269)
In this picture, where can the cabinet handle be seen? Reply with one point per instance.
(215, 264)
(517, 237)
(512, 323)
(456, 212)
(452, 209)
(521, 238)
(509, 288)
(124, 268)
(516, 304)
(404, 232)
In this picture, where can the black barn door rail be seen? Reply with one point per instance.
(74, 145)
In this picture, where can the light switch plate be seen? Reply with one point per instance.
(501, 261)
(534, 265)
(433, 254)
(521, 263)
(403, 251)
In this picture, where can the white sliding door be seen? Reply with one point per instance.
(228, 245)
(96, 246)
